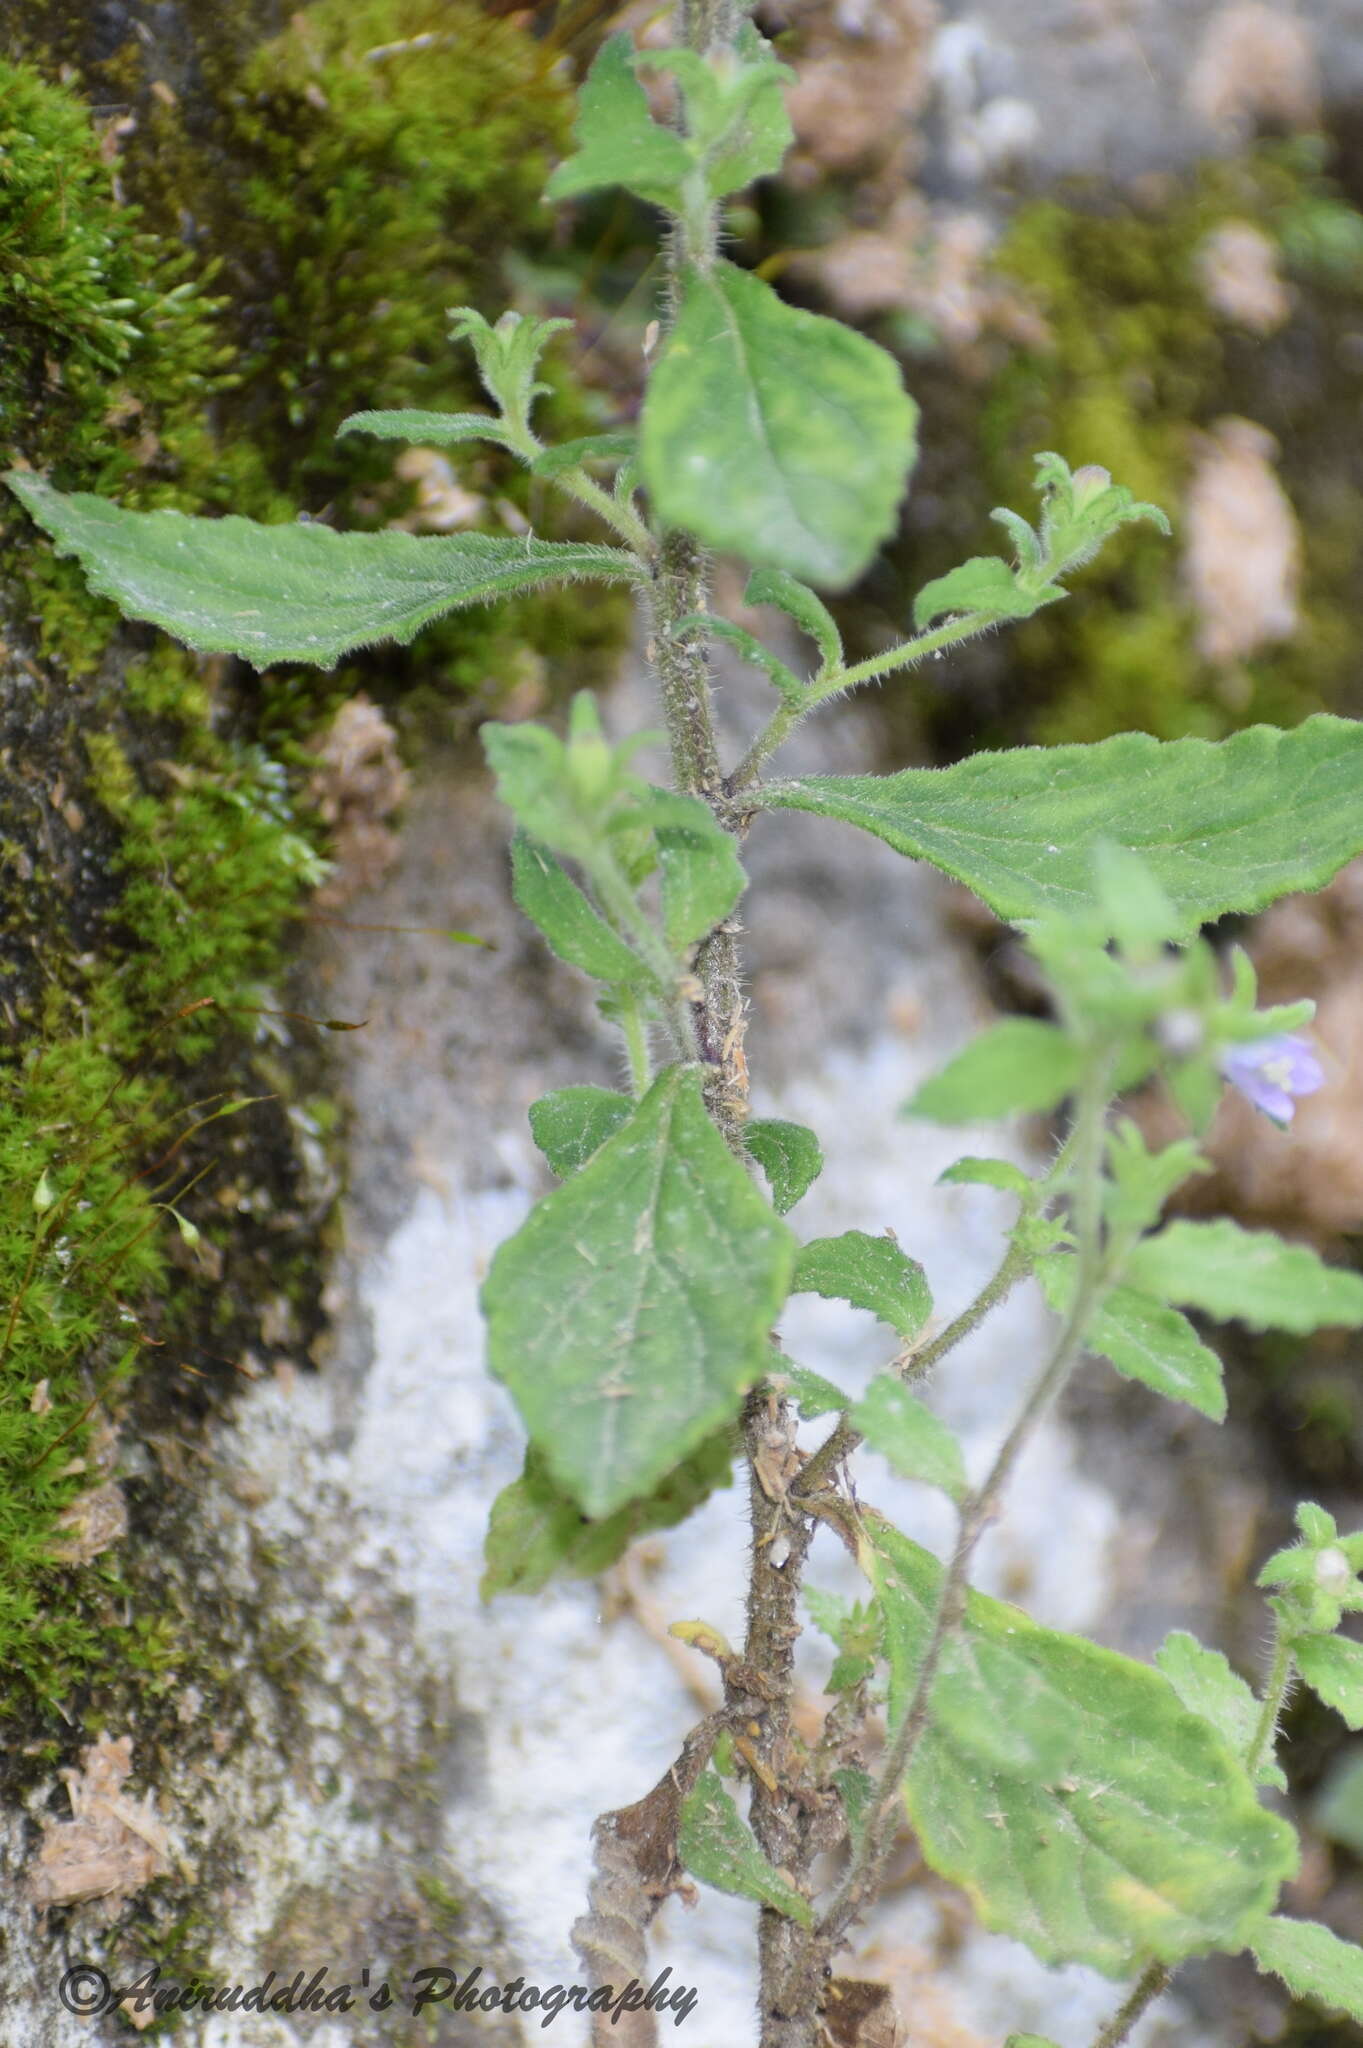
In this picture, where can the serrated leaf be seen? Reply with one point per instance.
(606, 447)
(1144, 1339)
(716, 1845)
(1311, 1961)
(618, 140)
(1083, 1809)
(572, 1123)
(536, 1533)
(1333, 1668)
(774, 432)
(1245, 1276)
(1224, 825)
(917, 1443)
(550, 898)
(1207, 1686)
(870, 1273)
(789, 1155)
(634, 1305)
(702, 876)
(298, 592)
(428, 429)
(812, 1394)
(985, 585)
(990, 1173)
(798, 602)
(1019, 1064)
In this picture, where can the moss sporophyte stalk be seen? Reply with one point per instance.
(1105, 1810)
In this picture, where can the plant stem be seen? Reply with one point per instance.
(1149, 1985)
(979, 1510)
(622, 519)
(905, 655)
(636, 1043)
(1275, 1693)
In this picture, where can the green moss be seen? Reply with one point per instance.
(1136, 362)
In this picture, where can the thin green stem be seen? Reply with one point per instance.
(1015, 1266)
(636, 1043)
(621, 518)
(1275, 1693)
(618, 901)
(905, 655)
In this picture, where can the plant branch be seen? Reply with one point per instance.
(1275, 1694)
(980, 1509)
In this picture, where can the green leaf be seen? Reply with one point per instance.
(608, 447)
(1144, 1339)
(618, 140)
(508, 352)
(1333, 1668)
(429, 429)
(775, 433)
(1083, 1809)
(869, 1272)
(788, 1154)
(578, 934)
(702, 875)
(917, 1443)
(1028, 2041)
(812, 1394)
(856, 1789)
(536, 1533)
(798, 602)
(736, 120)
(985, 585)
(569, 795)
(572, 1123)
(1142, 1181)
(1224, 825)
(1019, 1064)
(716, 1845)
(298, 592)
(634, 1305)
(991, 1173)
(1312, 1962)
(1207, 1686)
(1245, 1276)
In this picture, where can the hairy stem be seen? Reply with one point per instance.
(1153, 1980)
(1275, 1694)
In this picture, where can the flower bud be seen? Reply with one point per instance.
(1089, 483)
(1333, 1573)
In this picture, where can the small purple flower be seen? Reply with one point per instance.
(1272, 1072)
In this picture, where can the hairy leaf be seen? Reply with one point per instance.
(1245, 1276)
(788, 1154)
(716, 1845)
(1144, 1339)
(1333, 1668)
(798, 602)
(990, 1173)
(606, 447)
(869, 1272)
(618, 140)
(298, 592)
(428, 429)
(916, 1442)
(773, 432)
(984, 584)
(702, 875)
(1083, 1809)
(1207, 1686)
(551, 899)
(572, 1123)
(635, 1303)
(1224, 825)
(1312, 1962)
(736, 119)
(1019, 1064)
(536, 1533)
(812, 1394)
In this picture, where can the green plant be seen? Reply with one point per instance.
(1103, 1810)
